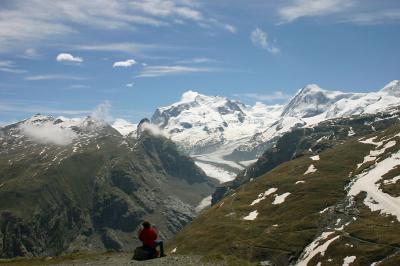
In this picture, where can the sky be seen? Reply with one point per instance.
(68, 57)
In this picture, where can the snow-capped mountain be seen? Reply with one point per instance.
(211, 127)
(223, 135)
(124, 127)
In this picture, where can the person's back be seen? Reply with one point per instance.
(148, 236)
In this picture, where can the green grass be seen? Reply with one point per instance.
(221, 229)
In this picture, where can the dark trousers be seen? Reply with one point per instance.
(160, 243)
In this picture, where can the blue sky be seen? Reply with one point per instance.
(67, 57)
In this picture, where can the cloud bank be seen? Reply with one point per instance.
(48, 133)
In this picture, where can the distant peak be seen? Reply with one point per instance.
(392, 88)
(310, 88)
(189, 96)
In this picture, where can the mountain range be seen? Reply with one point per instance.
(224, 136)
(85, 184)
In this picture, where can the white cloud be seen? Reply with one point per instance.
(376, 17)
(156, 71)
(197, 60)
(68, 58)
(38, 21)
(48, 133)
(102, 112)
(126, 63)
(153, 129)
(125, 47)
(260, 39)
(53, 77)
(79, 86)
(30, 53)
(9, 67)
(276, 95)
(129, 85)
(309, 8)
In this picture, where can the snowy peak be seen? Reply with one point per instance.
(190, 96)
(392, 88)
(312, 100)
(124, 127)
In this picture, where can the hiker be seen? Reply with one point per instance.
(148, 236)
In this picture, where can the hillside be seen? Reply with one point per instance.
(69, 185)
(315, 138)
(323, 206)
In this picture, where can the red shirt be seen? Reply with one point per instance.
(148, 236)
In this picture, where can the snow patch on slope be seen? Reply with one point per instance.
(376, 199)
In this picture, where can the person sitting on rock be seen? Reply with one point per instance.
(148, 236)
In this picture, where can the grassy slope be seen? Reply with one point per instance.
(221, 229)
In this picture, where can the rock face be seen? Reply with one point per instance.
(87, 187)
(323, 195)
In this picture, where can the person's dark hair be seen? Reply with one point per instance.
(146, 224)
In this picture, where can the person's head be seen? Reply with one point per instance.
(146, 224)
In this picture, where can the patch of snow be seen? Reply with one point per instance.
(371, 141)
(251, 216)
(376, 199)
(311, 169)
(315, 158)
(348, 260)
(351, 132)
(280, 198)
(315, 248)
(391, 181)
(262, 196)
(324, 210)
(322, 138)
(300, 182)
(203, 203)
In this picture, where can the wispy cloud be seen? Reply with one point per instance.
(25, 107)
(53, 77)
(9, 67)
(125, 47)
(38, 20)
(310, 8)
(260, 39)
(375, 17)
(64, 57)
(126, 63)
(156, 71)
(197, 60)
(79, 86)
(129, 85)
(276, 95)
